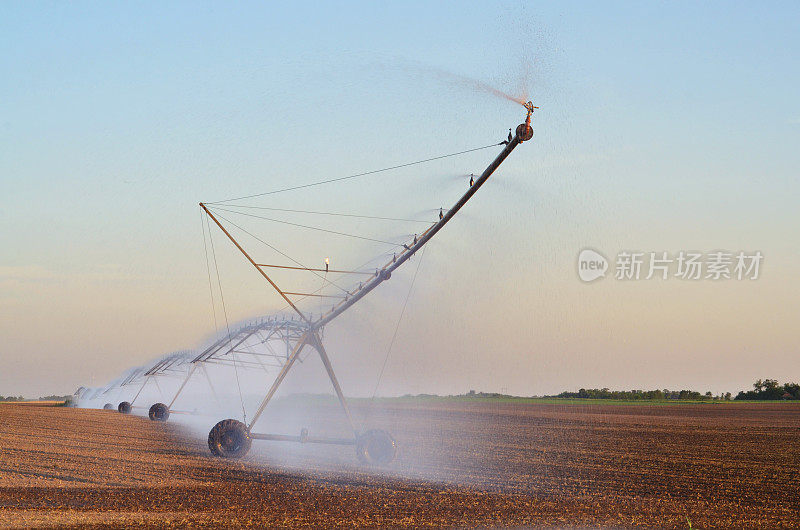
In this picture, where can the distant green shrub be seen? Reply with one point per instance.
(635, 395)
(770, 390)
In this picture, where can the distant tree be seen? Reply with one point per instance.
(793, 389)
(633, 395)
(770, 389)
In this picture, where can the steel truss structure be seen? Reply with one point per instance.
(266, 346)
(285, 340)
(86, 395)
(173, 364)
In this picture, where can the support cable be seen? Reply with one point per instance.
(337, 214)
(310, 269)
(218, 209)
(203, 221)
(379, 256)
(339, 179)
(227, 325)
(281, 253)
(397, 327)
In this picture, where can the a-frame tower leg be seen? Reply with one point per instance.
(180, 389)
(146, 379)
(335, 382)
(310, 338)
(304, 340)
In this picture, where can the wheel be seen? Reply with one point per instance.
(159, 412)
(124, 407)
(108, 406)
(376, 447)
(229, 439)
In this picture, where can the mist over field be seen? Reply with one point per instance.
(399, 265)
(675, 137)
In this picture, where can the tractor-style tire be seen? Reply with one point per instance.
(376, 447)
(124, 407)
(159, 412)
(229, 439)
(108, 406)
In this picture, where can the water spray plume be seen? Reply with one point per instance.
(470, 83)
(486, 87)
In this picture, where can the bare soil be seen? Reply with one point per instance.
(461, 464)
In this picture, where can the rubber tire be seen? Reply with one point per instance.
(159, 412)
(108, 406)
(229, 439)
(376, 447)
(124, 407)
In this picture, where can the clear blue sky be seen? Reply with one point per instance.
(664, 126)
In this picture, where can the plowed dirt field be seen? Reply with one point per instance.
(460, 464)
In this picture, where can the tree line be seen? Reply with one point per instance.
(769, 389)
(41, 398)
(765, 390)
(650, 395)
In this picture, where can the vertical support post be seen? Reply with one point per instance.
(281, 376)
(329, 368)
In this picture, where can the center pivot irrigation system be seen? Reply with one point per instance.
(285, 339)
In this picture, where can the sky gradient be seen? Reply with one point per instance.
(663, 127)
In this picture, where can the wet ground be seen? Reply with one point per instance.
(460, 464)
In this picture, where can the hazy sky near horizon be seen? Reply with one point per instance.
(663, 127)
